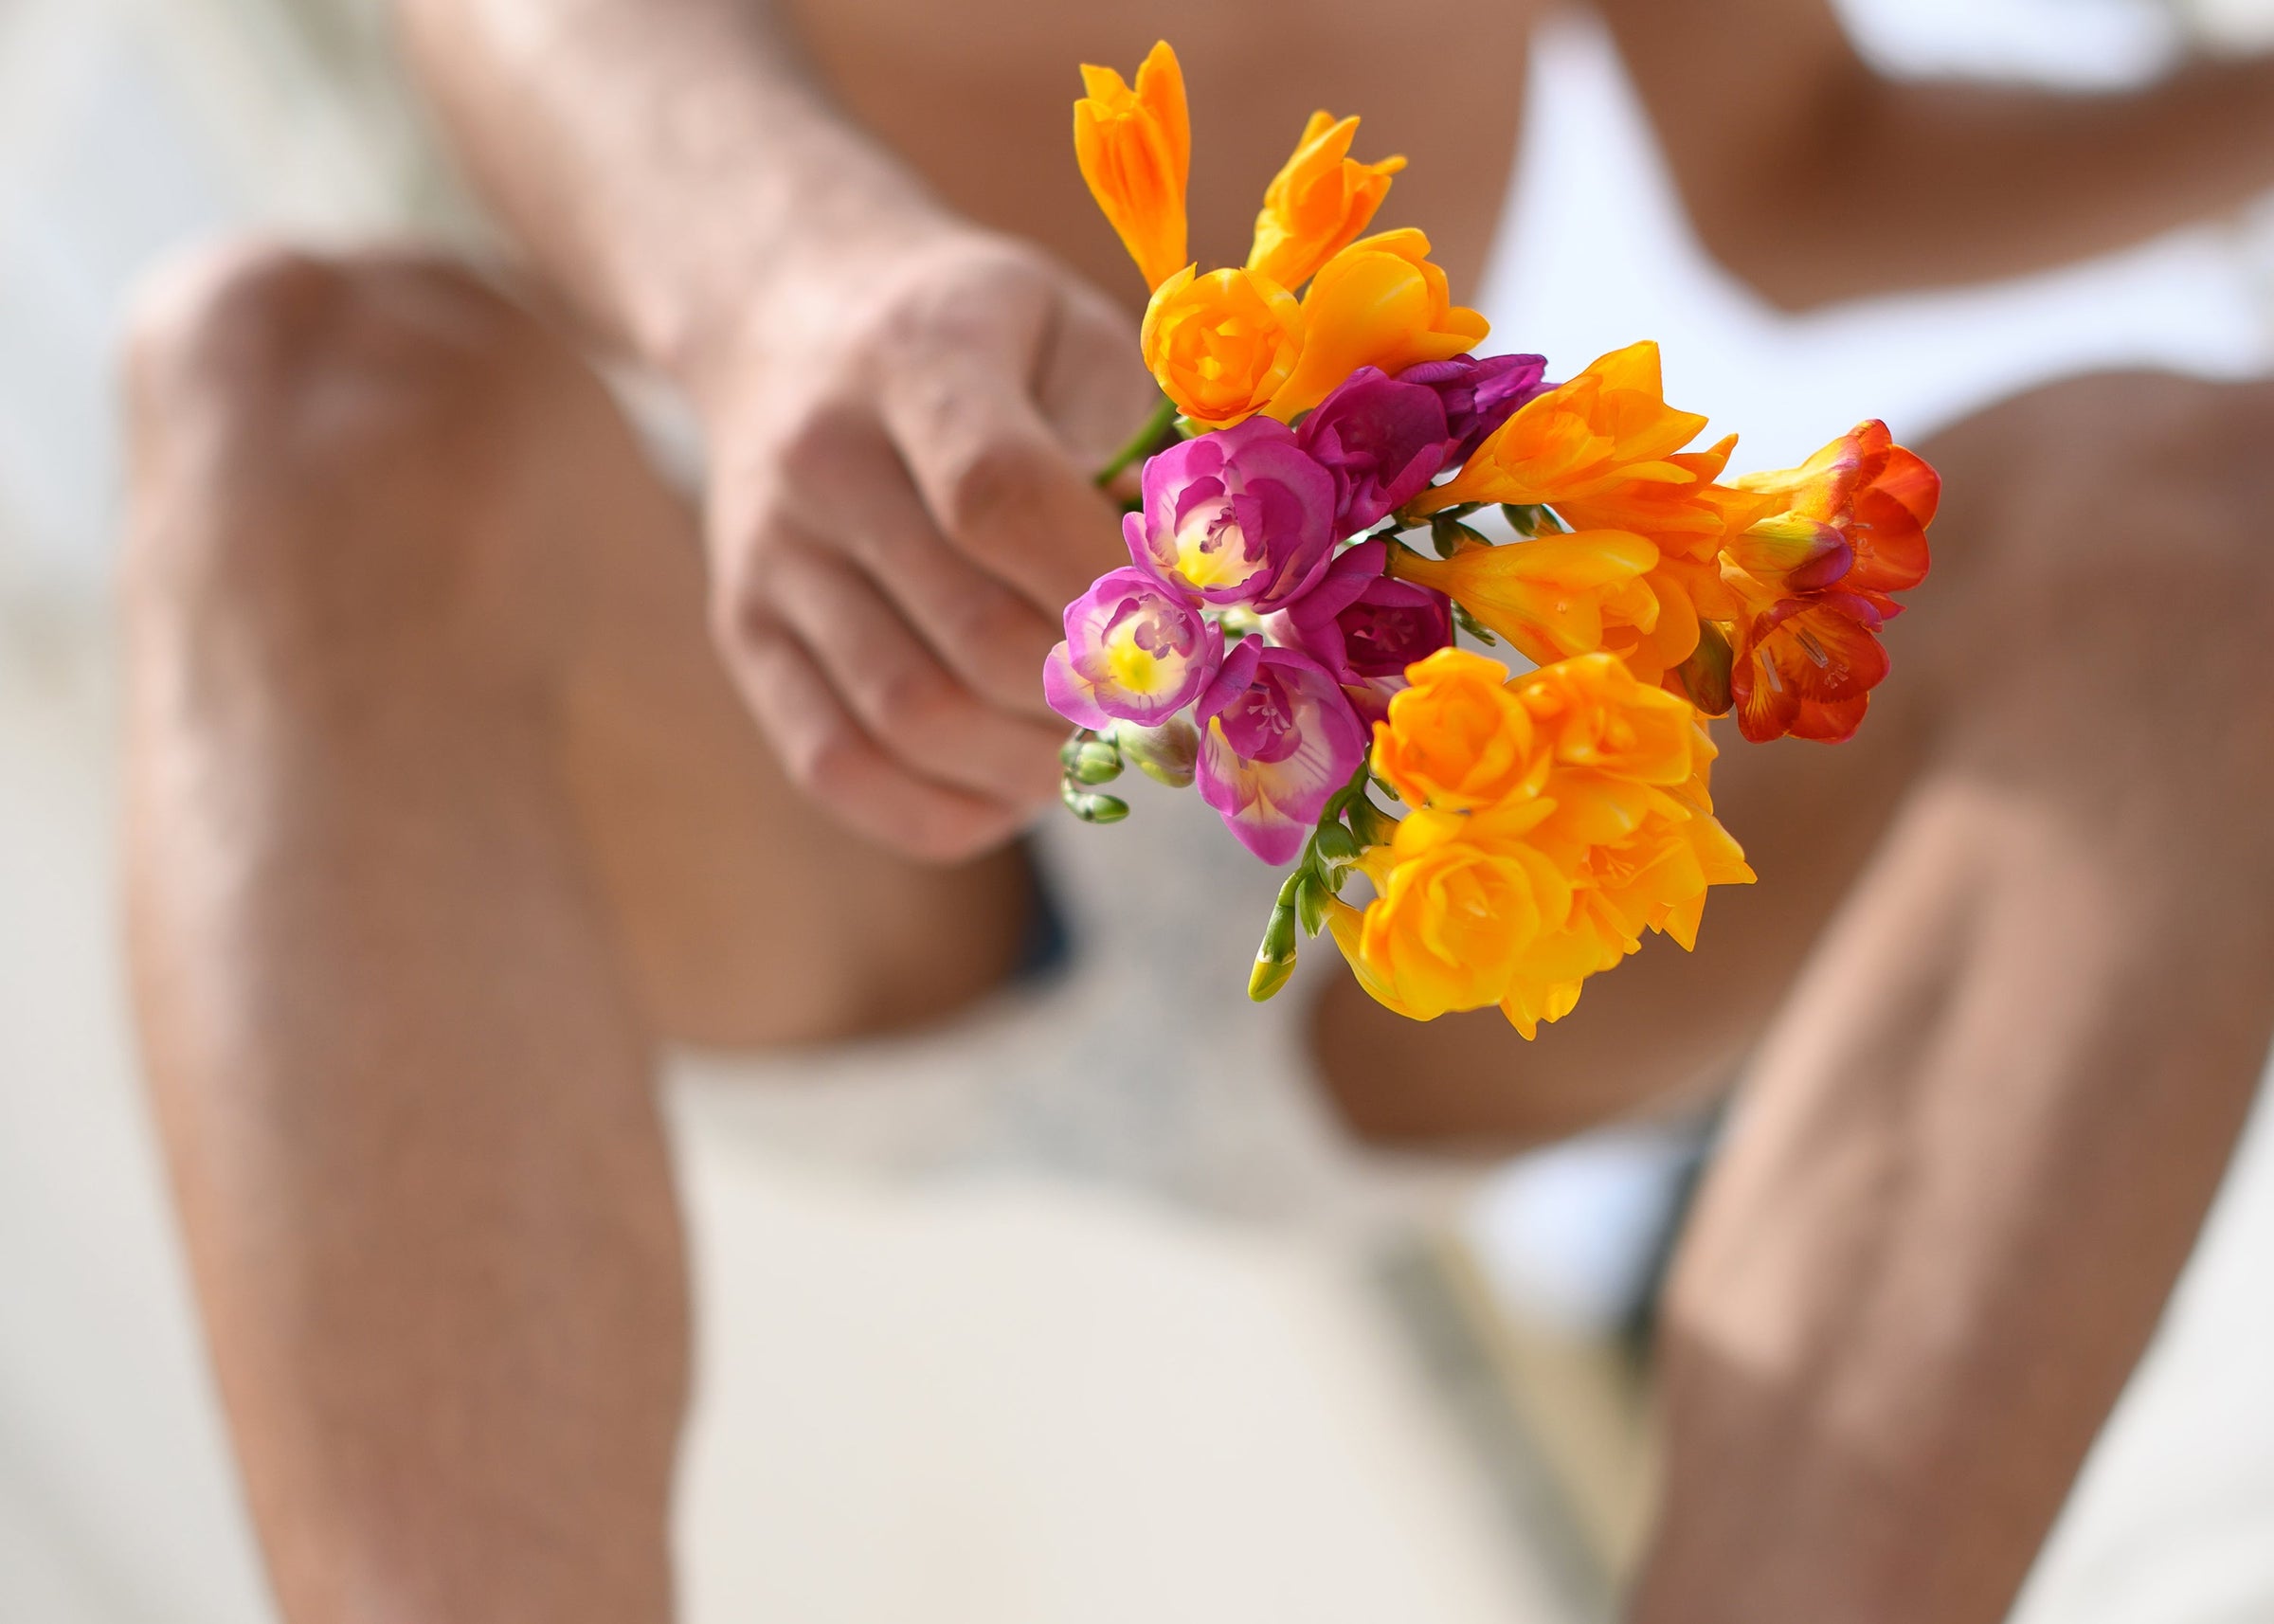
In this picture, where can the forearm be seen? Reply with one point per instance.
(666, 166)
(1816, 178)
(1907, 185)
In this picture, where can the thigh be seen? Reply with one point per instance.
(743, 914)
(748, 915)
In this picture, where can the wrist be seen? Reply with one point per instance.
(782, 297)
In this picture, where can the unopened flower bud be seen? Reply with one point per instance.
(1311, 902)
(1168, 753)
(1275, 957)
(1373, 826)
(1096, 761)
(1091, 807)
(1336, 846)
(1448, 536)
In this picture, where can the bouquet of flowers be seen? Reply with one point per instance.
(1285, 633)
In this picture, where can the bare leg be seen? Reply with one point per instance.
(1984, 1131)
(439, 814)
(1985, 1123)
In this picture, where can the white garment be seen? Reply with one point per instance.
(1140, 1061)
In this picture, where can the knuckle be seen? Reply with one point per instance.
(987, 489)
(913, 701)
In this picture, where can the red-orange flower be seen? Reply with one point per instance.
(1816, 579)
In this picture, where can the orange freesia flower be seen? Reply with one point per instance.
(1135, 150)
(1591, 713)
(1378, 302)
(1458, 737)
(1317, 202)
(1606, 428)
(1815, 583)
(1551, 597)
(1523, 871)
(1451, 919)
(1221, 345)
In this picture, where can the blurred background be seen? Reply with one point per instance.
(1210, 1421)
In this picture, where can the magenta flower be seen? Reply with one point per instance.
(1364, 628)
(1382, 440)
(1277, 739)
(1242, 515)
(1134, 650)
(1478, 396)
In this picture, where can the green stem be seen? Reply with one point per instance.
(1140, 442)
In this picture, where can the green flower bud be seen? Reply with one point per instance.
(1096, 761)
(1091, 807)
(1167, 754)
(1705, 674)
(1311, 902)
(1269, 976)
(1336, 845)
(1370, 824)
(1275, 957)
(1448, 536)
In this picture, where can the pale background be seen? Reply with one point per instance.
(1262, 1416)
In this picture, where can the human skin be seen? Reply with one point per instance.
(444, 812)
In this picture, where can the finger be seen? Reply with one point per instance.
(903, 697)
(825, 755)
(1090, 381)
(995, 478)
(990, 637)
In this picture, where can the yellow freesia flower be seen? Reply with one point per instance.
(1551, 597)
(1458, 737)
(1607, 427)
(1221, 345)
(1378, 302)
(1318, 203)
(1135, 150)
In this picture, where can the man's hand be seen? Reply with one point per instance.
(901, 504)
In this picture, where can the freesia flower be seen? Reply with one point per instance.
(1221, 345)
(1378, 302)
(1134, 650)
(1242, 515)
(1319, 200)
(1478, 395)
(1453, 921)
(1365, 628)
(1135, 151)
(1277, 739)
(1458, 737)
(1590, 712)
(1383, 441)
(1817, 581)
(1551, 597)
(1608, 426)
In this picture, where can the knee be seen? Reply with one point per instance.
(334, 444)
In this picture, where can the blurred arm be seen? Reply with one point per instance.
(1816, 178)
(664, 161)
(901, 410)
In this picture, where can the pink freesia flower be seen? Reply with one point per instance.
(1365, 628)
(1277, 739)
(1478, 396)
(1134, 650)
(1382, 440)
(1242, 515)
